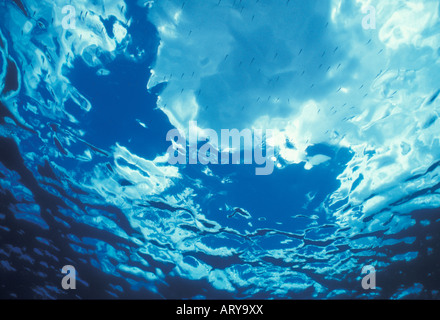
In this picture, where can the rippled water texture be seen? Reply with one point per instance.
(85, 181)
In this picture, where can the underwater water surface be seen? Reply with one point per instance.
(89, 91)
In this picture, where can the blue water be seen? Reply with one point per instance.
(84, 179)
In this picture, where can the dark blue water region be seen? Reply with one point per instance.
(269, 199)
(121, 98)
(25, 278)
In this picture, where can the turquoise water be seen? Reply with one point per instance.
(86, 105)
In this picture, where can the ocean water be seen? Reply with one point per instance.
(349, 90)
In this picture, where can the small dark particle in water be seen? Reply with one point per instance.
(47, 171)
(95, 149)
(433, 97)
(108, 165)
(54, 127)
(59, 146)
(41, 24)
(125, 183)
(241, 212)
